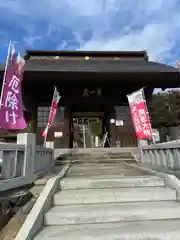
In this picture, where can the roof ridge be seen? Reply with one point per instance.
(79, 53)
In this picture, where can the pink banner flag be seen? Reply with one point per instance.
(52, 114)
(11, 105)
(140, 115)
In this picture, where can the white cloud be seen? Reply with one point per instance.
(114, 24)
(91, 8)
(158, 35)
(153, 37)
(62, 45)
(30, 41)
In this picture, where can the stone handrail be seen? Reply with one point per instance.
(44, 160)
(11, 146)
(162, 155)
(21, 164)
(169, 142)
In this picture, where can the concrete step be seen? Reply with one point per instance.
(98, 157)
(154, 230)
(104, 173)
(89, 169)
(93, 153)
(93, 196)
(108, 176)
(107, 165)
(103, 156)
(99, 168)
(95, 161)
(112, 212)
(109, 182)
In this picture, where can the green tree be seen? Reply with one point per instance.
(165, 109)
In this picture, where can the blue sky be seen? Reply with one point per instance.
(153, 25)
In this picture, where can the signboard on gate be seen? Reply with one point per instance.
(140, 115)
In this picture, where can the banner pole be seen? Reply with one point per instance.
(5, 73)
(4, 78)
(147, 113)
(45, 139)
(52, 112)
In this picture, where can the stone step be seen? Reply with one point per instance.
(104, 165)
(105, 158)
(96, 161)
(108, 176)
(87, 165)
(101, 154)
(154, 230)
(105, 172)
(94, 156)
(93, 196)
(99, 168)
(109, 182)
(112, 212)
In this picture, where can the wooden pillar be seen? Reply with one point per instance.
(30, 104)
(148, 95)
(32, 124)
(66, 127)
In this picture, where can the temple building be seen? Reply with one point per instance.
(93, 86)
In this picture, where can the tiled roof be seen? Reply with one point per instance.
(74, 61)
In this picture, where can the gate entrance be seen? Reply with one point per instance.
(88, 132)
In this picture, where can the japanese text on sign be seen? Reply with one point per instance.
(141, 121)
(11, 100)
(140, 115)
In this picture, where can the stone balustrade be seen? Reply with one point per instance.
(23, 162)
(162, 155)
(44, 160)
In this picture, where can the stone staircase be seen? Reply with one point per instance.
(96, 157)
(106, 199)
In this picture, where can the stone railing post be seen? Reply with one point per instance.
(29, 140)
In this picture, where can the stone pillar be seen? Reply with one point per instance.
(29, 140)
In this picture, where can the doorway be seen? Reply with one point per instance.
(87, 131)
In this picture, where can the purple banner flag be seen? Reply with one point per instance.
(11, 108)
